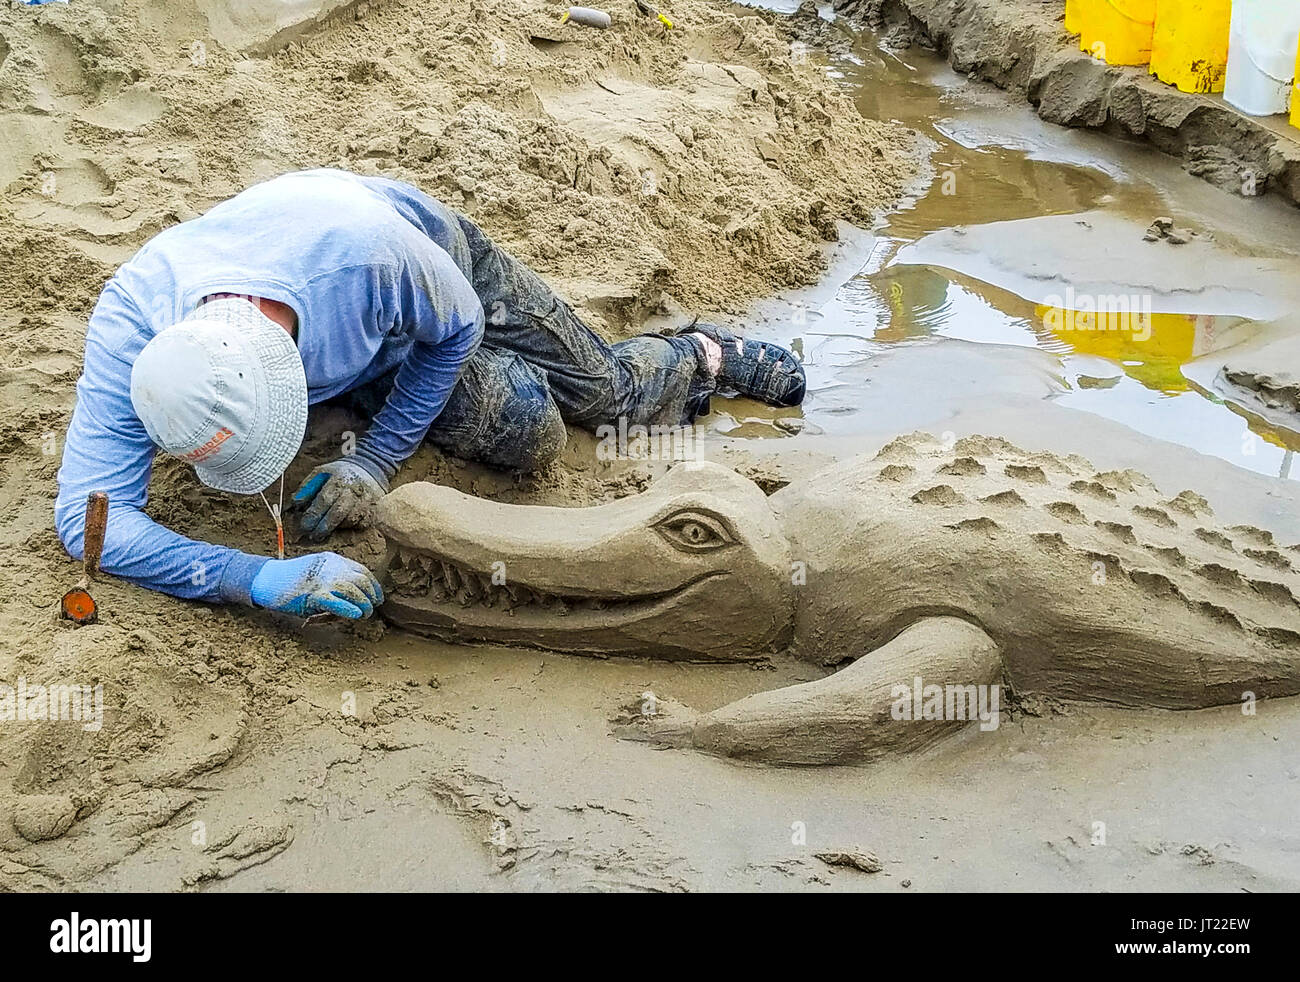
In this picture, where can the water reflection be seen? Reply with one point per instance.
(996, 161)
(1122, 364)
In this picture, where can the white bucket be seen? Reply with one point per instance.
(1262, 55)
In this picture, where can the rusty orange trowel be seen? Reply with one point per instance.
(78, 605)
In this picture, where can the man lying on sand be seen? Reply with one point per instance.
(213, 340)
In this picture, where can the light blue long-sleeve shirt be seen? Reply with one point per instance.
(376, 273)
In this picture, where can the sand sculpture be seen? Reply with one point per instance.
(964, 567)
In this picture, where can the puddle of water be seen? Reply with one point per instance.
(996, 161)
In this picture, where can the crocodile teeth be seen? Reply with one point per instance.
(471, 585)
(449, 583)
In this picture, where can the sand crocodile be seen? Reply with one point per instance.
(972, 564)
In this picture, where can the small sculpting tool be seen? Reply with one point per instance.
(78, 605)
(277, 513)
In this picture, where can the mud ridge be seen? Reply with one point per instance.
(1022, 46)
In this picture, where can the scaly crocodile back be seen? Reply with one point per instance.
(1094, 585)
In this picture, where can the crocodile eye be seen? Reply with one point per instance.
(692, 531)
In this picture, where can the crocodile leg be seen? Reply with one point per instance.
(859, 713)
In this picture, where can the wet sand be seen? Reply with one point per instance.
(516, 746)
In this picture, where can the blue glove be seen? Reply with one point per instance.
(322, 583)
(340, 493)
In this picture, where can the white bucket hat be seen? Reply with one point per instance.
(225, 390)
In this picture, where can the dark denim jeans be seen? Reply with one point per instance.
(539, 367)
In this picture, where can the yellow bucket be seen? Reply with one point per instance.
(1073, 15)
(1189, 47)
(1117, 31)
(1295, 94)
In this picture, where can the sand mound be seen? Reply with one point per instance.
(638, 167)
